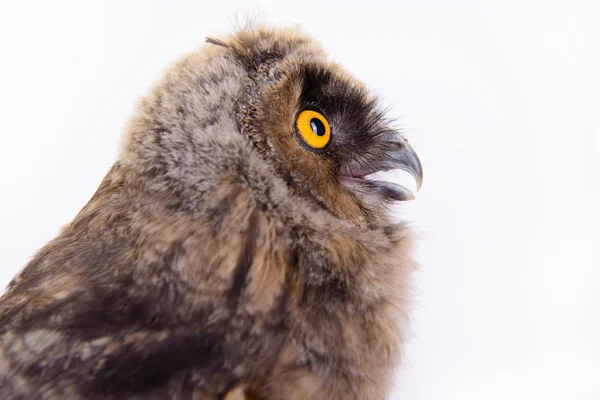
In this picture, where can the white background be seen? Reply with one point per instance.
(500, 98)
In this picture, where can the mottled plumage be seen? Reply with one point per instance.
(220, 258)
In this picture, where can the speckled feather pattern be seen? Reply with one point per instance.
(218, 258)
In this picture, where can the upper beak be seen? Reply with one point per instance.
(406, 159)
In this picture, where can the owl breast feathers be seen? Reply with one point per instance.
(237, 249)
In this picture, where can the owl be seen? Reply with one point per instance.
(239, 248)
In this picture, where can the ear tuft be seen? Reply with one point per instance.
(216, 41)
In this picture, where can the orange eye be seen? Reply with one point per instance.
(313, 129)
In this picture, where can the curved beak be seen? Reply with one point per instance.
(398, 154)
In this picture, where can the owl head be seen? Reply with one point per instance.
(317, 128)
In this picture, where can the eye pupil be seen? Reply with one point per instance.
(317, 127)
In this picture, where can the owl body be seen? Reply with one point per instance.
(221, 256)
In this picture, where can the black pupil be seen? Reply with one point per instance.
(317, 126)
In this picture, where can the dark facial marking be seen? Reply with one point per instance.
(356, 118)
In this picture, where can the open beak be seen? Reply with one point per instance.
(398, 155)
